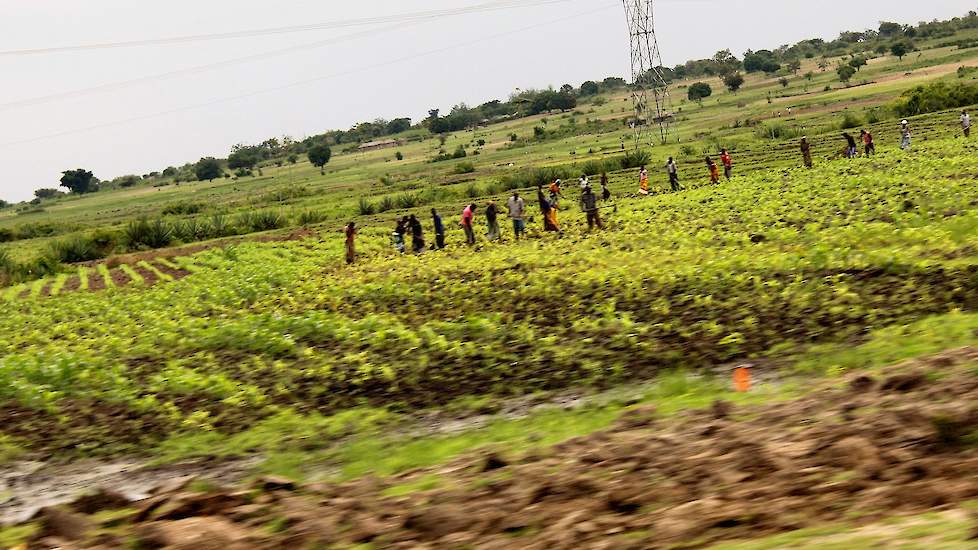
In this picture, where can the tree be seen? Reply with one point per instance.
(589, 88)
(319, 155)
(794, 66)
(725, 62)
(567, 89)
(900, 49)
(783, 82)
(809, 76)
(857, 62)
(79, 181)
(3, 204)
(823, 64)
(244, 157)
(127, 181)
(733, 81)
(399, 155)
(47, 193)
(845, 73)
(613, 83)
(761, 60)
(293, 158)
(208, 169)
(169, 172)
(888, 28)
(699, 91)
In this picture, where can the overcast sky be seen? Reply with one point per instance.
(353, 74)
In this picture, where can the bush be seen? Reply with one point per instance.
(850, 121)
(73, 250)
(407, 200)
(473, 191)
(220, 227)
(459, 153)
(777, 131)
(310, 217)
(9, 269)
(183, 208)
(399, 156)
(938, 96)
(634, 159)
(143, 233)
(262, 220)
(464, 168)
(385, 204)
(365, 207)
(191, 230)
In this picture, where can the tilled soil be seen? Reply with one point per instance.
(869, 448)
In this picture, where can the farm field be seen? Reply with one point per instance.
(560, 391)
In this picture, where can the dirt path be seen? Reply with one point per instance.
(865, 448)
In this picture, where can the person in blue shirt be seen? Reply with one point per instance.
(439, 229)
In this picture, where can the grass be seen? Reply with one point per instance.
(946, 530)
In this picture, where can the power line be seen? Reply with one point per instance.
(400, 18)
(301, 82)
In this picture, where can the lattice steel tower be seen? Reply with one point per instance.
(650, 92)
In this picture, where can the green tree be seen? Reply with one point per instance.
(79, 181)
(783, 82)
(244, 157)
(809, 76)
(823, 64)
(589, 88)
(733, 81)
(699, 91)
(857, 62)
(208, 169)
(319, 155)
(293, 158)
(846, 73)
(47, 193)
(900, 49)
(794, 66)
(399, 155)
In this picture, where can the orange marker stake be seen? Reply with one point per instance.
(741, 379)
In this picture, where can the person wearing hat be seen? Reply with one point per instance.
(905, 135)
(806, 151)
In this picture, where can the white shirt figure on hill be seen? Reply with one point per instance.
(966, 123)
(585, 183)
(905, 135)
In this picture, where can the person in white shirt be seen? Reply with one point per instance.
(585, 183)
(966, 123)
(905, 135)
(517, 209)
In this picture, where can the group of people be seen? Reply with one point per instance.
(549, 202)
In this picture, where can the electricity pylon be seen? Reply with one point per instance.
(650, 91)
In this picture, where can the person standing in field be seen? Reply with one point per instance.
(549, 212)
(517, 211)
(398, 236)
(851, 151)
(673, 171)
(966, 123)
(417, 235)
(492, 221)
(806, 152)
(351, 233)
(555, 194)
(584, 182)
(439, 229)
(905, 135)
(714, 171)
(605, 192)
(468, 217)
(727, 164)
(870, 147)
(643, 181)
(589, 204)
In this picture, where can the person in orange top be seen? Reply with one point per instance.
(727, 164)
(714, 171)
(868, 142)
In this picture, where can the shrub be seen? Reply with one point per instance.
(399, 156)
(935, 97)
(310, 217)
(73, 250)
(191, 230)
(777, 131)
(464, 168)
(365, 207)
(407, 200)
(385, 204)
(183, 208)
(284, 194)
(687, 150)
(850, 121)
(459, 153)
(634, 159)
(143, 233)
(262, 220)
(9, 270)
(473, 191)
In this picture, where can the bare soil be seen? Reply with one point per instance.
(96, 281)
(867, 447)
(149, 277)
(120, 278)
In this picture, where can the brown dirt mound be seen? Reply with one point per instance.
(176, 274)
(46, 290)
(858, 449)
(72, 284)
(120, 278)
(96, 281)
(149, 278)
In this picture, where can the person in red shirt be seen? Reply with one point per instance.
(468, 216)
(727, 164)
(868, 142)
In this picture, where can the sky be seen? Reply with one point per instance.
(167, 104)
